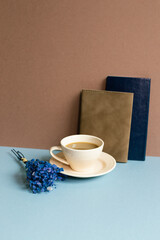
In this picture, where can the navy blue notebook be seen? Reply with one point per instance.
(139, 125)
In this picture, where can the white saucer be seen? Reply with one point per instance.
(105, 164)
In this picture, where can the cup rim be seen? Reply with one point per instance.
(78, 150)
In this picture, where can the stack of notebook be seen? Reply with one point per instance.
(118, 115)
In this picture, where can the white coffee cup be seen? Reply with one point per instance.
(79, 160)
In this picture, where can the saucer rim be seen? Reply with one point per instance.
(91, 174)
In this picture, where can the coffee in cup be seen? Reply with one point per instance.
(81, 151)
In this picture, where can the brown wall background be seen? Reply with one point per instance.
(51, 49)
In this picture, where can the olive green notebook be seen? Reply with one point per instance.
(107, 115)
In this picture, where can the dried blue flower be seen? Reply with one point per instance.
(41, 175)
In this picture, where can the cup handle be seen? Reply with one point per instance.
(55, 156)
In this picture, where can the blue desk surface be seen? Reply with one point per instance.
(122, 205)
